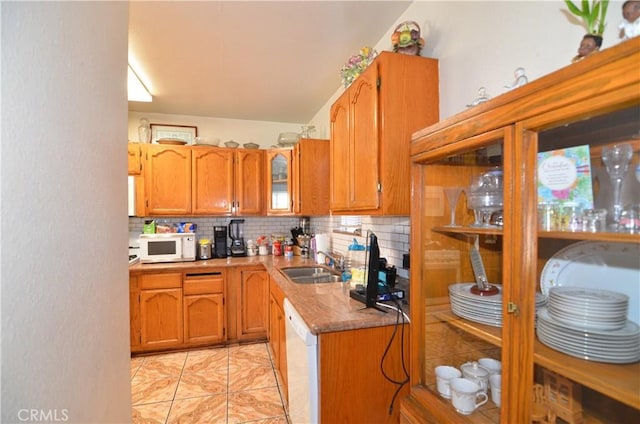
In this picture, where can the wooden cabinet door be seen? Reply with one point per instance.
(249, 182)
(212, 175)
(161, 318)
(310, 177)
(278, 335)
(279, 182)
(134, 313)
(364, 164)
(204, 318)
(274, 330)
(254, 303)
(339, 153)
(168, 180)
(134, 159)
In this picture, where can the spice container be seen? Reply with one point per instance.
(571, 217)
(548, 216)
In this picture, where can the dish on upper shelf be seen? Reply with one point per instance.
(206, 141)
(250, 145)
(597, 265)
(175, 141)
(288, 138)
(232, 144)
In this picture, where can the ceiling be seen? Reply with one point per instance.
(260, 60)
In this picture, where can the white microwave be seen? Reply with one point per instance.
(167, 247)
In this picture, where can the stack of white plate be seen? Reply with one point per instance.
(587, 308)
(590, 324)
(620, 346)
(481, 309)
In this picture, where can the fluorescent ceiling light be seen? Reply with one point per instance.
(137, 92)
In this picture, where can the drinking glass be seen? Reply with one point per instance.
(616, 159)
(484, 196)
(453, 195)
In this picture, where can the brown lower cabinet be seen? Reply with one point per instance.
(204, 318)
(175, 310)
(160, 310)
(277, 333)
(252, 303)
(352, 386)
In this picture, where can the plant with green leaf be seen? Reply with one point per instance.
(593, 13)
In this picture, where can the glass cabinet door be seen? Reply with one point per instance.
(587, 337)
(279, 171)
(457, 224)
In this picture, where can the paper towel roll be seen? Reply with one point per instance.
(322, 245)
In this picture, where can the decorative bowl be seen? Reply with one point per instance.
(231, 144)
(288, 138)
(206, 141)
(251, 146)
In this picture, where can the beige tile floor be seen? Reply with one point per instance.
(226, 385)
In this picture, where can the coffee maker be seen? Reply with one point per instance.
(238, 248)
(220, 242)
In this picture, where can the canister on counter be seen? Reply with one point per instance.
(277, 248)
(288, 250)
(252, 248)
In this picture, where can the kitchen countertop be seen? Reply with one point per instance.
(325, 307)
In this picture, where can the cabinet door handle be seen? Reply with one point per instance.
(512, 308)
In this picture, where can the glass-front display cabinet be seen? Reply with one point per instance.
(280, 183)
(525, 245)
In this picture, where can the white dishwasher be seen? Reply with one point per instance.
(302, 368)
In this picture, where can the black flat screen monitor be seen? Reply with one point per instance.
(373, 273)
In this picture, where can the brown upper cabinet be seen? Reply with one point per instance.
(298, 179)
(134, 159)
(227, 182)
(184, 180)
(167, 177)
(371, 127)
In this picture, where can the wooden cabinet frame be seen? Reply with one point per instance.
(601, 97)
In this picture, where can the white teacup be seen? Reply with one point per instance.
(493, 365)
(496, 388)
(477, 373)
(466, 395)
(444, 373)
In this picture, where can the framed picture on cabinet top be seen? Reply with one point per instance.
(185, 133)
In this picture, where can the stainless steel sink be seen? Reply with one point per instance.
(311, 274)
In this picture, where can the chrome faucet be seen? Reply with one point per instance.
(337, 259)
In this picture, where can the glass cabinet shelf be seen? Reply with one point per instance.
(620, 382)
(566, 235)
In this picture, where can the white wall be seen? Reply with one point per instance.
(481, 43)
(65, 314)
(242, 131)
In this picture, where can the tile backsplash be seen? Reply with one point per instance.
(392, 232)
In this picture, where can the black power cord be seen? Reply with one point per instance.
(400, 316)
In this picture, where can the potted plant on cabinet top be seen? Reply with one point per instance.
(593, 14)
